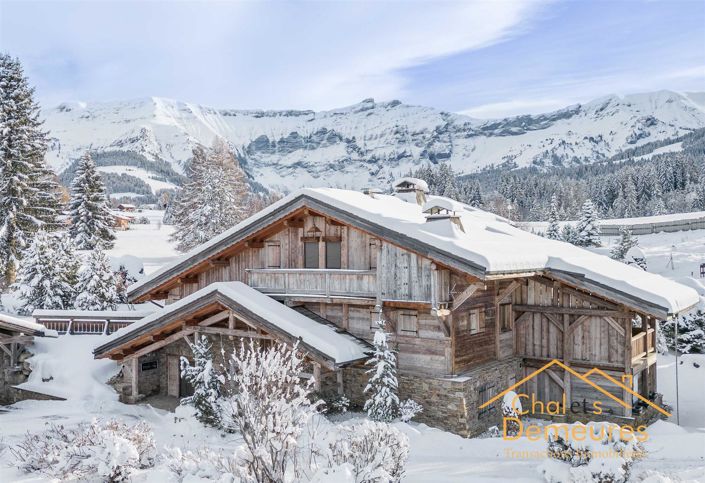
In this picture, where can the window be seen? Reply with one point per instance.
(274, 254)
(484, 393)
(333, 254)
(373, 255)
(473, 321)
(408, 323)
(506, 316)
(311, 254)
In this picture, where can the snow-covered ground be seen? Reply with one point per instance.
(674, 452)
(149, 243)
(65, 368)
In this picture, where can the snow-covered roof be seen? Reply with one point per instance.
(340, 347)
(93, 314)
(489, 245)
(24, 326)
(416, 182)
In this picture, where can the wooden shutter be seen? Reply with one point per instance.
(333, 255)
(311, 254)
(274, 254)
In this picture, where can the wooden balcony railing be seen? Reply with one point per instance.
(85, 326)
(643, 343)
(318, 282)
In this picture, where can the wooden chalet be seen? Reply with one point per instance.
(16, 335)
(473, 303)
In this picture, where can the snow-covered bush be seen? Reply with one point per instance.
(206, 380)
(511, 412)
(270, 407)
(691, 333)
(100, 451)
(376, 452)
(409, 409)
(382, 403)
(605, 454)
(202, 463)
(626, 242)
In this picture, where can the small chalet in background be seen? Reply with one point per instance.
(121, 221)
(126, 207)
(473, 304)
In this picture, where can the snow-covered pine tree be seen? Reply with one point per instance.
(699, 202)
(383, 402)
(29, 194)
(40, 284)
(207, 383)
(554, 230)
(691, 333)
(68, 264)
(213, 200)
(630, 199)
(587, 233)
(626, 242)
(569, 234)
(91, 221)
(96, 288)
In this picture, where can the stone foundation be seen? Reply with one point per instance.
(450, 403)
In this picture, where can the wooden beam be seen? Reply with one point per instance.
(6, 350)
(158, 345)
(466, 294)
(552, 318)
(219, 263)
(294, 223)
(550, 309)
(615, 325)
(254, 244)
(507, 291)
(316, 376)
(555, 378)
(233, 332)
(189, 279)
(579, 321)
(590, 298)
(214, 319)
(21, 339)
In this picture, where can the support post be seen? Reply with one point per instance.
(316, 376)
(134, 362)
(339, 380)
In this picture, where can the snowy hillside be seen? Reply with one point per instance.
(364, 144)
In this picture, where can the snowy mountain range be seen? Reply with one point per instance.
(366, 144)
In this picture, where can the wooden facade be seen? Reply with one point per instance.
(445, 321)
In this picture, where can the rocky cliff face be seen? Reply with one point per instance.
(370, 142)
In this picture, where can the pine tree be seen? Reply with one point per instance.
(587, 232)
(630, 199)
(29, 194)
(626, 242)
(213, 200)
(206, 381)
(553, 232)
(96, 287)
(383, 401)
(699, 202)
(568, 234)
(68, 264)
(91, 221)
(40, 283)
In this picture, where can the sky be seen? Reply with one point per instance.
(482, 58)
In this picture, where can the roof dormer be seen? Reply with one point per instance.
(443, 210)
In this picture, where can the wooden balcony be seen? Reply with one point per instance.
(327, 283)
(643, 346)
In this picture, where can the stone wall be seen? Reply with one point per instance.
(450, 403)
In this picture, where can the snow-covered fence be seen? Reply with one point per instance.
(645, 225)
(84, 322)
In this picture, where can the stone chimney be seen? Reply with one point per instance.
(411, 190)
(443, 211)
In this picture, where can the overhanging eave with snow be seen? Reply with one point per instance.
(233, 309)
(471, 241)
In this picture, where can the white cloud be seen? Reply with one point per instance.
(515, 107)
(249, 54)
